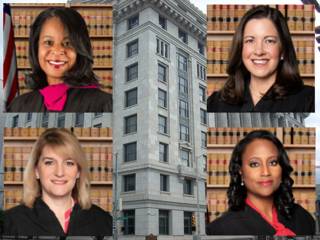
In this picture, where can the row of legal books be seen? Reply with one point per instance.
(303, 165)
(227, 17)
(102, 198)
(102, 53)
(78, 131)
(100, 162)
(299, 135)
(228, 135)
(217, 203)
(218, 56)
(105, 76)
(98, 22)
(216, 85)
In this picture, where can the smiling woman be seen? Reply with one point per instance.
(263, 74)
(61, 60)
(260, 192)
(57, 192)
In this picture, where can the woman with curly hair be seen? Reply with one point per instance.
(260, 192)
(263, 73)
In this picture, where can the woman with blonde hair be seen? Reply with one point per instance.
(56, 200)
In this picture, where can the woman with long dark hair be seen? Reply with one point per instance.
(61, 59)
(260, 195)
(263, 74)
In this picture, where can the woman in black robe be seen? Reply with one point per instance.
(61, 59)
(260, 192)
(56, 198)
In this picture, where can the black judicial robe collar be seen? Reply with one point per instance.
(250, 222)
(78, 100)
(303, 101)
(41, 221)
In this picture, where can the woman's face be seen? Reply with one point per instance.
(260, 170)
(261, 49)
(56, 55)
(57, 174)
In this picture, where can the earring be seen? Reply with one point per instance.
(78, 176)
(281, 58)
(242, 183)
(37, 177)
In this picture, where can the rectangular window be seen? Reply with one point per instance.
(129, 183)
(163, 152)
(132, 48)
(183, 85)
(130, 124)
(129, 224)
(132, 72)
(97, 114)
(203, 139)
(163, 48)
(205, 164)
(183, 109)
(182, 36)
(162, 73)
(61, 119)
(202, 94)
(201, 72)
(99, 125)
(164, 183)
(182, 62)
(187, 223)
(184, 133)
(162, 22)
(29, 117)
(15, 121)
(79, 119)
(45, 119)
(131, 97)
(162, 98)
(133, 22)
(163, 222)
(130, 152)
(200, 48)
(203, 116)
(162, 126)
(187, 187)
(185, 158)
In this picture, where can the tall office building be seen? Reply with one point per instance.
(159, 114)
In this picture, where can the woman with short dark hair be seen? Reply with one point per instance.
(260, 195)
(263, 70)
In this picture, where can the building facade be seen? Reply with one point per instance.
(159, 70)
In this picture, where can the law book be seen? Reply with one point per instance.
(282, 9)
(301, 56)
(209, 17)
(224, 55)
(110, 22)
(217, 17)
(232, 18)
(287, 135)
(304, 135)
(296, 135)
(28, 22)
(291, 15)
(105, 22)
(209, 56)
(312, 136)
(299, 17)
(95, 197)
(23, 23)
(99, 23)
(309, 62)
(224, 17)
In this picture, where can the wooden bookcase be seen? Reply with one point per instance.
(104, 72)
(96, 142)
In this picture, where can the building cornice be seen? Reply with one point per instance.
(169, 10)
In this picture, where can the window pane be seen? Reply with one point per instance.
(183, 109)
(203, 139)
(162, 125)
(129, 225)
(132, 49)
(183, 85)
(133, 22)
(162, 22)
(131, 97)
(131, 124)
(182, 62)
(132, 72)
(185, 158)
(130, 152)
(130, 183)
(163, 152)
(161, 73)
(162, 98)
(184, 133)
(163, 183)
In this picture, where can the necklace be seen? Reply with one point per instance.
(259, 96)
(70, 212)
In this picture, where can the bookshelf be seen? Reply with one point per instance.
(98, 151)
(220, 35)
(301, 156)
(98, 18)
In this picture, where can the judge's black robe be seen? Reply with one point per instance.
(41, 221)
(78, 100)
(302, 101)
(250, 222)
